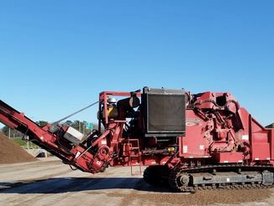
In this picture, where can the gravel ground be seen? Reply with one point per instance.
(49, 182)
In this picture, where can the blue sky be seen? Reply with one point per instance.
(56, 56)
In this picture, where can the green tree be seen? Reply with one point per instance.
(81, 126)
(77, 124)
(11, 132)
(270, 126)
(42, 123)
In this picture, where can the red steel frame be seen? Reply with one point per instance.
(193, 147)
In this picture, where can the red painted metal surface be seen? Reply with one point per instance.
(218, 131)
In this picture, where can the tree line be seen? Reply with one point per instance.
(82, 126)
(270, 126)
(76, 124)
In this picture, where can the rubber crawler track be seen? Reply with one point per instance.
(177, 172)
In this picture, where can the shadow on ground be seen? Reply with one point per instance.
(74, 184)
(161, 196)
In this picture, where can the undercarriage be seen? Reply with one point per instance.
(210, 177)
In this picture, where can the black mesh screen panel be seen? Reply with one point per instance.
(165, 113)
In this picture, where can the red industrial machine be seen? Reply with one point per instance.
(188, 141)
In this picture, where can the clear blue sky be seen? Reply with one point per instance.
(56, 56)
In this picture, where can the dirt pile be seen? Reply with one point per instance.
(10, 152)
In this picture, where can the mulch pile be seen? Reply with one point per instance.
(10, 152)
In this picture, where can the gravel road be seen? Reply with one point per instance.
(51, 183)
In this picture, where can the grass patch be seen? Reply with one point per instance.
(24, 143)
